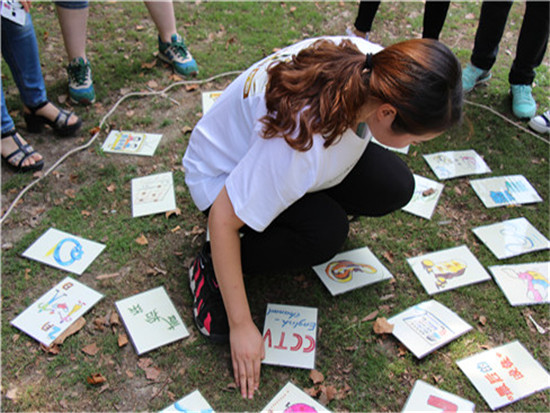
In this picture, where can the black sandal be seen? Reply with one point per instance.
(60, 126)
(25, 149)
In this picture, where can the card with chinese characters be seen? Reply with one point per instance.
(427, 326)
(453, 164)
(131, 143)
(505, 374)
(151, 320)
(290, 334)
(426, 398)
(50, 315)
(523, 284)
(350, 270)
(193, 402)
(448, 269)
(512, 237)
(208, 99)
(505, 190)
(291, 399)
(425, 197)
(153, 194)
(64, 251)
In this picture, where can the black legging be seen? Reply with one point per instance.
(314, 228)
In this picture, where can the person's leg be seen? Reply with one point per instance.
(365, 17)
(162, 13)
(435, 13)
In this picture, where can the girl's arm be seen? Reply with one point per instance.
(247, 348)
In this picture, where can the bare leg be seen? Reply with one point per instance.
(73, 23)
(162, 13)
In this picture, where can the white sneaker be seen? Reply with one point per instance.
(541, 123)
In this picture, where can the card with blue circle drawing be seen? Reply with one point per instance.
(505, 190)
(452, 164)
(65, 251)
(193, 402)
(350, 270)
(54, 312)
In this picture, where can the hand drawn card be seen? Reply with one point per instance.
(55, 311)
(151, 320)
(448, 269)
(350, 270)
(291, 399)
(452, 164)
(426, 398)
(505, 190)
(131, 143)
(13, 11)
(64, 251)
(153, 194)
(427, 326)
(290, 336)
(425, 197)
(192, 403)
(505, 374)
(512, 237)
(523, 284)
(208, 99)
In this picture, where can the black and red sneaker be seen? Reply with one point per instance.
(208, 309)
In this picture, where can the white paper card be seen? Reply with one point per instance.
(426, 398)
(448, 269)
(505, 190)
(350, 270)
(404, 150)
(192, 403)
(512, 237)
(13, 11)
(427, 326)
(452, 164)
(505, 374)
(64, 251)
(293, 400)
(54, 312)
(208, 99)
(425, 197)
(151, 320)
(290, 336)
(131, 143)
(153, 194)
(523, 284)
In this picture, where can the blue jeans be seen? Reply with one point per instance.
(20, 50)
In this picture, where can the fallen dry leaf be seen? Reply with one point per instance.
(482, 320)
(94, 130)
(107, 276)
(12, 394)
(149, 65)
(186, 129)
(175, 229)
(71, 193)
(175, 78)
(111, 188)
(381, 326)
(152, 84)
(73, 328)
(122, 340)
(141, 240)
(90, 349)
(389, 256)
(191, 88)
(145, 362)
(316, 376)
(53, 349)
(96, 378)
(27, 273)
(129, 374)
(152, 373)
(114, 320)
(38, 174)
(370, 316)
(99, 323)
(85, 213)
(176, 212)
(312, 391)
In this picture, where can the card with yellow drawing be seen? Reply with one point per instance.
(427, 326)
(425, 197)
(292, 399)
(448, 269)
(131, 143)
(54, 312)
(64, 251)
(153, 194)
(350, 270)
(523, 284)
(208, 99)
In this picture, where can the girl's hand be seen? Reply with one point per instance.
(247, 352)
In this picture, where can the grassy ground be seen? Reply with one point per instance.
(89, 195)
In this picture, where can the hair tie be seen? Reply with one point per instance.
(368, 62)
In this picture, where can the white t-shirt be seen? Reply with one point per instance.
(263, 177)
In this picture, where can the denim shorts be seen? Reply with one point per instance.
(72, 4)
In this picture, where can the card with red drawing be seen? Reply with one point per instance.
(452, 164)
(291, 399)
(523, 284)
(131, 143)
(426, 398)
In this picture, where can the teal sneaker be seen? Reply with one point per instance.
(523, 104)
(81, 86)
(176, 54)
(473, 76)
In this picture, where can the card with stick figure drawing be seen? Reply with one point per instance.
(426, 398)
(194, 402)
(427, 326)
(64, 251)
(505, 190)
(523, 284)
(512, 237)
(448, 269)
(208, 99)
(350, 270)
(151, 320)
(291, 399)
(453, 164)
(131, 143)
(425, 197)
(54, 312)
(290, 336)
(153, 194)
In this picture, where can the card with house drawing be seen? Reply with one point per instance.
(426, 398)
(291, 399)
(505, 190)
(131, 143)
(153, 194)
(192, 403)
(453, 164)
(425, 197)
(523, 284)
